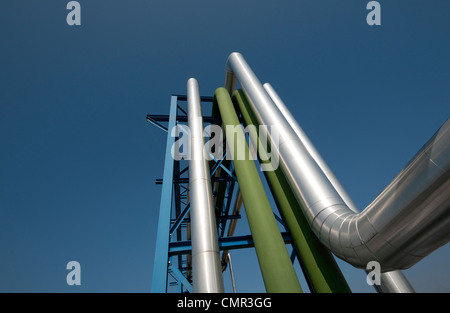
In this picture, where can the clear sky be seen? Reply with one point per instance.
(78, 160)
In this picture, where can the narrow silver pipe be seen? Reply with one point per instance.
(409, 220)
(206, 268)
(394, 281)
(233, 283)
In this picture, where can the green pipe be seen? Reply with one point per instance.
(318, 262)
(276, 267)
(219, 188)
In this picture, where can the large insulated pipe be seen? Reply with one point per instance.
(318, 262)
(409, 220)
(277, 270)
(236, 211)
(206, 268)
(394, 281)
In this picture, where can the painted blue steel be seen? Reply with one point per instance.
(181, 109)
(280, 220)
(219, 164)
(180, 219)
(156, 124)
(170, 247)
(181, 278)
(226, 210)
(225, 243)
(160, 265)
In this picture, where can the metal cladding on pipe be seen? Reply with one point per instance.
(318, 263)
(236, 211)
(406, 222)
(275, 264)
(206, 267)
(393, 281)
(310, 147)
(416, 205)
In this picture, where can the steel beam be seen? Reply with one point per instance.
(160, 264)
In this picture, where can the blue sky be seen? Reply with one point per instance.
(78, 160)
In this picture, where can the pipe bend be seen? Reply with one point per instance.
(230, 78)
(406, 222)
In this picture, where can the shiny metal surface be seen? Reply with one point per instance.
(206, 268)
(406, 222)
(393, 281)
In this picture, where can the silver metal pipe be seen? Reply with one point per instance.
(393, 281)
(233, 283)
(409, 220)
(206, 268)
(310, 147)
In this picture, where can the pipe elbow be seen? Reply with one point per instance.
(230, 77)
(231, 58)
(337, 228)
(353, 238)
